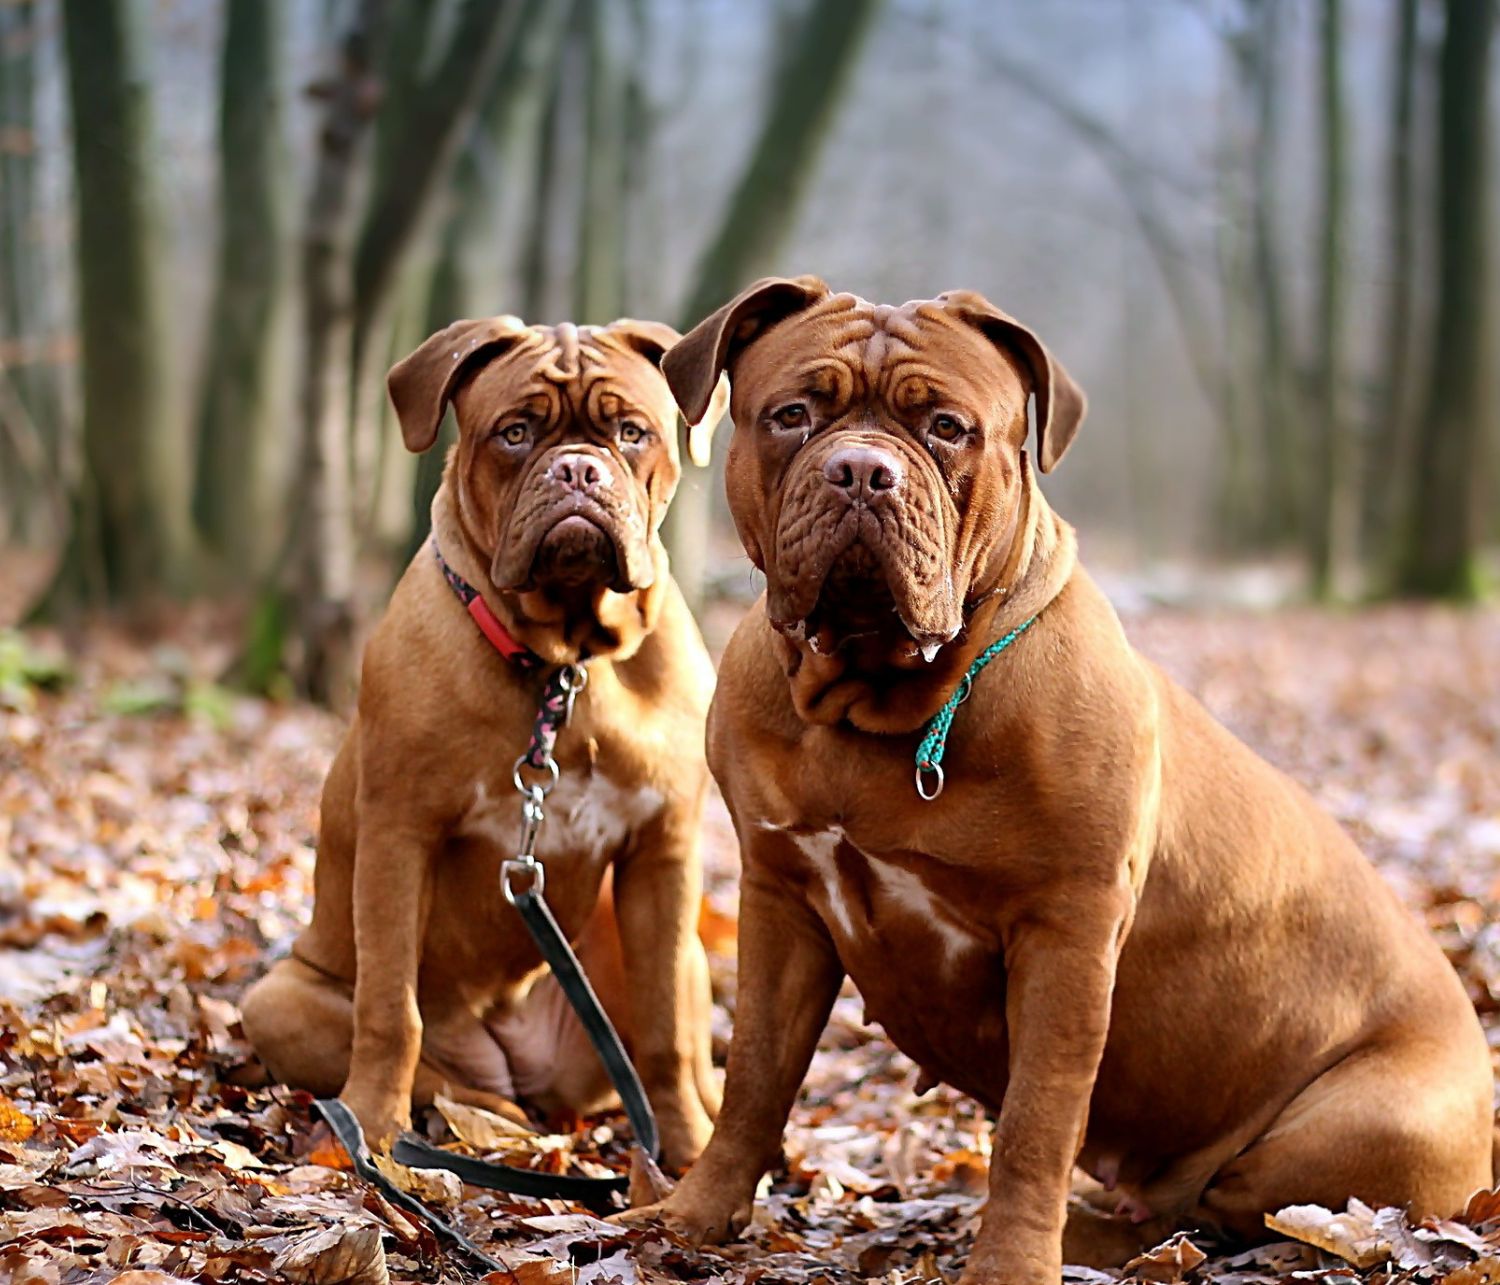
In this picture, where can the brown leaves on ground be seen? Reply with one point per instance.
(154, 854)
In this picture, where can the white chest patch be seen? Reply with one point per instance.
(898, 888)
(584, 815)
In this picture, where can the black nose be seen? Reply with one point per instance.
(578, 471)
(864, 472)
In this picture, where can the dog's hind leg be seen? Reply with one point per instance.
(300, 1023)
(1402, 1122)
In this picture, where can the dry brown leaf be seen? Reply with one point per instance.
(1168, 1263)
(435, 1186)
(329, 1152)
(1483, 1207)
(480, 1128)
(1352, 1235)
(719, 933)
(1485, 1271)
(336, 1256)
(963, 1169)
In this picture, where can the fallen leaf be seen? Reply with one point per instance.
(480, 1128)
(15, 1124)
(435, 1186)
(1168, 1263)
(336, 1256)
(1352, 1235)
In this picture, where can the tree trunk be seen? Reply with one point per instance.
(1441, 557)
(324, 547)
(599, 283)
(1391, 440)
(1332, 525)
(133, 530)
(1282, 423)
(470, 210)
(810, 80)
(30, 454)
(428, 124)
(235, 425)
(811, 76)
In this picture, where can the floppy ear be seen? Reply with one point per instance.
(422, 384)
(694, 366)
(653, 340)
(1060, 403)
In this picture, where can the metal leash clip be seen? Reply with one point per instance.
(525, 862)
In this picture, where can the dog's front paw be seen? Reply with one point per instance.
(382, 1117)
(698, 1221)
(1012, 1266)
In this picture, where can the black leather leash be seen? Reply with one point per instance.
(352, 1138)
(550, 940)
(560, 691)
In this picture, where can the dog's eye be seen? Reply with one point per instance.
(632, 433)
(510, 434)
(945, 428)
(793, 416)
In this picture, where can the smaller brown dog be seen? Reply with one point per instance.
(415, 976)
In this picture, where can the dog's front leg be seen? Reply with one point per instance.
(789, 976)
(1060, 973)
(658, 886)
(391, 893)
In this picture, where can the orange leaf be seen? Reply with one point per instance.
(718, 932)
(15, 1124)
(328, 1151)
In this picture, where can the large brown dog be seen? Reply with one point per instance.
(1142, 946)
(414, 973)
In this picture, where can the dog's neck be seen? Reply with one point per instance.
(592, 623)
(1029, 569)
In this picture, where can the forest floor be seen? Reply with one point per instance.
(156, 849)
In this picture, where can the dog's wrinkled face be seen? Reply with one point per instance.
(875, 470)
(566, 457)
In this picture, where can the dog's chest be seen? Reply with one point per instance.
(930, 970)
(588, 815)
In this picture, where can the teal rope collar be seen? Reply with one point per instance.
(935, 737)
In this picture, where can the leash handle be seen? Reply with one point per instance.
(352, 1138)
(560, 957)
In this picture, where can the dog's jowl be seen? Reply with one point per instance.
(415, 976)
(1074, 895)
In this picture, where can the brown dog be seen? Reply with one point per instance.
(414, 973)
(1142, 946)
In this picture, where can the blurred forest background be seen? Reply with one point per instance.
(1257, 230)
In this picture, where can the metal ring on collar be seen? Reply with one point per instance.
(549, 765)
(936, 769)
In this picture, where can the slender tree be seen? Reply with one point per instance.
(238, 398)
(1441, 555)
(324, 541)
(425, 120)
(132, 530)
(29, 447)
(818, 59)
(600, 275)
(1282, 423)
(819, 56)
(471, 208)
(1333, 515)
(1391, 439)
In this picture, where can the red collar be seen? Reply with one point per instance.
(489, 623)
